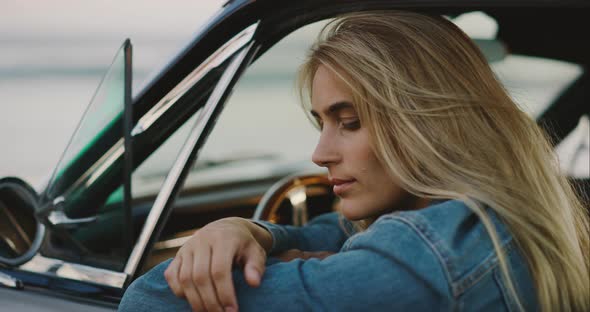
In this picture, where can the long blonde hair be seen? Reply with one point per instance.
(445, 128)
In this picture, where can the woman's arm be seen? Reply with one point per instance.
(201, 271)
(323, 233)
(376, 271)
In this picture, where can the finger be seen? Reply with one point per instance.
(203, 281)
(171, 275)
(255, 257)
(186, 281)
(194, 299)
(221, 273)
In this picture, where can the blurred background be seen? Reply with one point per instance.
(53, 55)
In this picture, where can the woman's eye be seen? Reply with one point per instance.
(351, 125)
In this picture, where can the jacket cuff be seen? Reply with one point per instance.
(280, 236)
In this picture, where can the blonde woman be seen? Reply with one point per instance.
(453, 192)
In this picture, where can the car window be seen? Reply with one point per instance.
(261, 135)
(263, 128)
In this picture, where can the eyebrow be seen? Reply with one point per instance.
(334, 108)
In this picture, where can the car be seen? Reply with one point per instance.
(218, 133)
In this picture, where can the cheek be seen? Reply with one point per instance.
(361, 155)
(384, 191)
(375, 171)
(377, 192)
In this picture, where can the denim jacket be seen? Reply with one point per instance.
(439, 258)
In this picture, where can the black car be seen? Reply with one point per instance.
(142, 173)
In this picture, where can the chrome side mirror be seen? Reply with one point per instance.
(21, 234)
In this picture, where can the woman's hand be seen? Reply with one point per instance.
(201, 272)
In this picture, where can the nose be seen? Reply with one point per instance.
(326, 151)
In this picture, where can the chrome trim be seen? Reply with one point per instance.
(74, 271)
(59, 219)
(90, 176)
(98, 168)
(9, 281)
(185, 153)
(213, 61)
(105, 162)
(171, 243)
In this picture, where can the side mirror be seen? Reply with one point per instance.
(21, 234)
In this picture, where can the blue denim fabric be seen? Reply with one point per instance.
(439, 258)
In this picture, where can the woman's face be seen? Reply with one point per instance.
(360, 180)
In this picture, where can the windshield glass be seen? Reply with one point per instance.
(105, 108)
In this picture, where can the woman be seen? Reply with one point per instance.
(452, 193)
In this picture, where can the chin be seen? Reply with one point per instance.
(357, 210)
(352, 212)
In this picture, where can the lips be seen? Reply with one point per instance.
(341, 185)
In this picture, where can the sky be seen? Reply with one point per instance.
(105, 17)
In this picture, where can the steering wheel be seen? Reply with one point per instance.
(297, 191)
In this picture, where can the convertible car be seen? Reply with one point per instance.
(218, 132)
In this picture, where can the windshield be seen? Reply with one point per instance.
(105, 108)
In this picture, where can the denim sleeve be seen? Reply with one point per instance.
(324, 233)
(387, 268)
